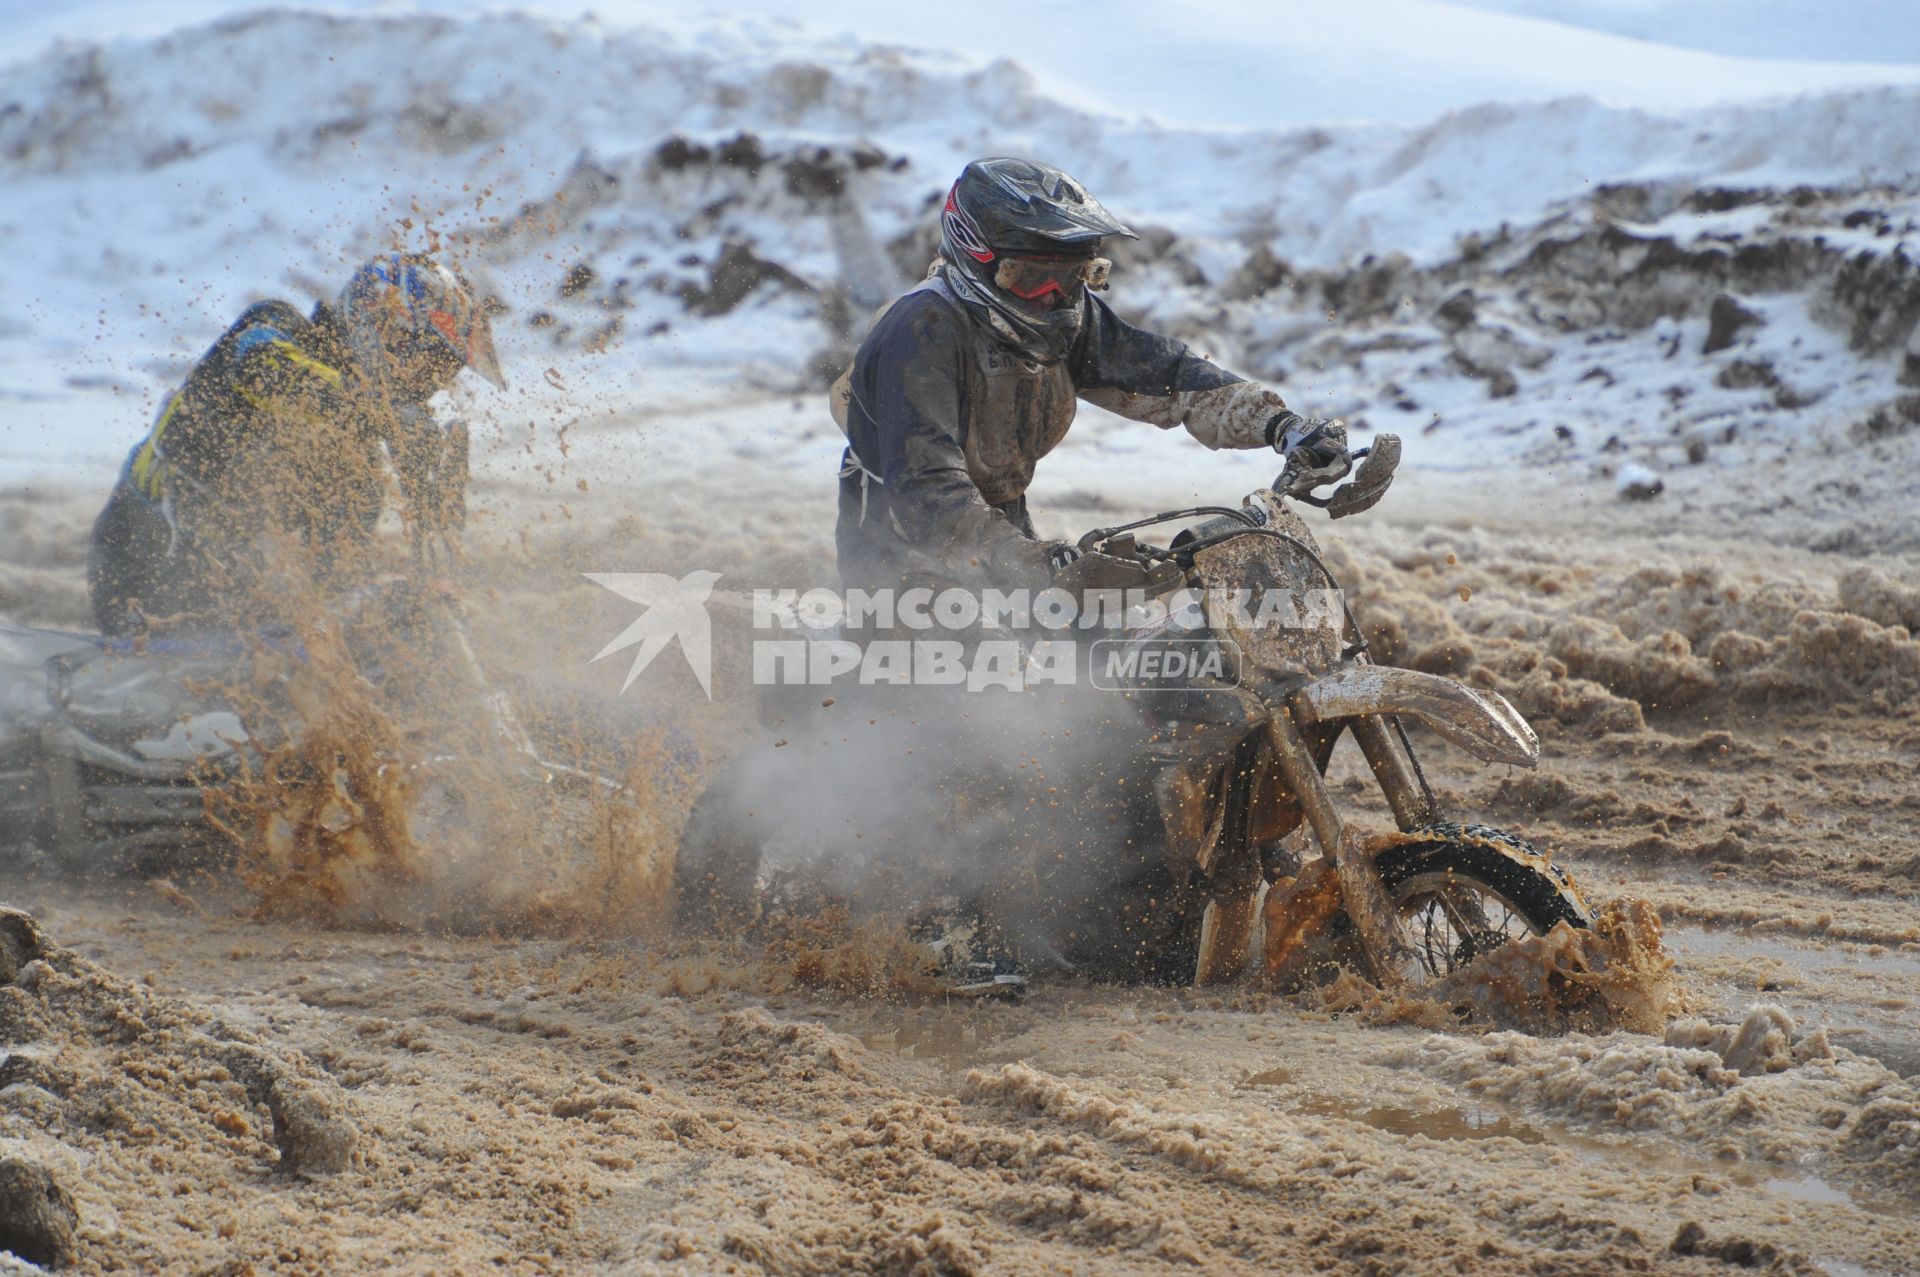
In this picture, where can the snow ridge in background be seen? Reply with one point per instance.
(1234, 64)
(156, 186)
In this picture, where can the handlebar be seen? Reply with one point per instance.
(1226, 524)
(1090, 542)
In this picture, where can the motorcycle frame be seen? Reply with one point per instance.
(1357, 696)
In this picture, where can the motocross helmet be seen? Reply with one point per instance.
(413, 325)
(1021, 244)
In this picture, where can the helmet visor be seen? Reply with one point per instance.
(1047, 283)
(469, 338)
(481, 356)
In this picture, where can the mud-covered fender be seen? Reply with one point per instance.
(1480, 722)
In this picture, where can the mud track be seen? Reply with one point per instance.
(619, 1100)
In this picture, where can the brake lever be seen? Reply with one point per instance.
(1308, 497)
(1279, 481)
(1370, 480)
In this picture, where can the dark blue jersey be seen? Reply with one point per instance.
(946, 423)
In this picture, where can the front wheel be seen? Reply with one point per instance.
(1465, 890)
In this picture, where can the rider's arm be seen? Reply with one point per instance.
(430, 461)
(1149, 377)
(908, 431)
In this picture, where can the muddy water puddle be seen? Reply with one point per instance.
(1491, 1121)
(953, 1044)
(1867, 997)
(1444, 1122)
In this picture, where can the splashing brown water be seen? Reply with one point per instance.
(323, 820)
(409, 802)
(1617, 975)
(865, 958)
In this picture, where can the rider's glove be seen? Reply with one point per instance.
(1061, 553)
(1019, 562)
(1315, 451)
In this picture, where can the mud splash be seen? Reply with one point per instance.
(413, 801)
(865, 960)
(321, 822)
(1617, 975)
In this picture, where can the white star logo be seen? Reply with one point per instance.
(676, 608)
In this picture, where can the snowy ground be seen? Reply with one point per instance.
(1510, 240)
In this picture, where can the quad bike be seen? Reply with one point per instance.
(100, 743)
(1228, 773)
(110, 747)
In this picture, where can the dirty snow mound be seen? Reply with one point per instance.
(1604, 650)
(111, 1096)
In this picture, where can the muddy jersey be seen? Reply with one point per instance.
(265, 432)
(945, 424)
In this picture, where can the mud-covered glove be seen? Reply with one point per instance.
(1315, 451)
(1022, 563)
(1101, 584)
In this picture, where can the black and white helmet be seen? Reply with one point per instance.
(1021, 242)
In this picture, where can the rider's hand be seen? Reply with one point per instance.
(1315, 451)
(1061, 553)
(1022, 563)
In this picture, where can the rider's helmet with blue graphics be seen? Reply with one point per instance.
(1022, 245)
(413, 324)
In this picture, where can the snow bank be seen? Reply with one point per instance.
(1235, 65)
(155, 186)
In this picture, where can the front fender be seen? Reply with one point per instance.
(1480, 722)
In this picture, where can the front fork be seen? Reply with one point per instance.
(1227, 934)
(1364, 895)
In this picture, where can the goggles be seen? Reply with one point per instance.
(1047, 281)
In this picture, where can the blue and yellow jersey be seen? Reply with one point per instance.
(270, 370)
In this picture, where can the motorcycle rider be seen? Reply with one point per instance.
(959, 389)
(966, 381)
(277, 431)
